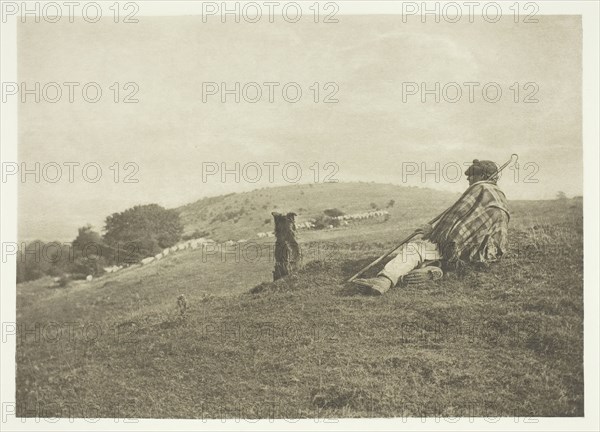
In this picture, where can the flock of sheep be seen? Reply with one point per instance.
(190, 244)
(345, 219)
(360, 216)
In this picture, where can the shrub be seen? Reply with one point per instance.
(334, 212)
(87, 265)
(323, 221)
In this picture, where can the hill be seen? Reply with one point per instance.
(502, 341)
(242, 215)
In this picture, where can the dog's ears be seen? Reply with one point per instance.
(290, 216)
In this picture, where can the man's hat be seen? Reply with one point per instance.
(485, 169)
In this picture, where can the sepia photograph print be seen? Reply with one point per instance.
(325, 215)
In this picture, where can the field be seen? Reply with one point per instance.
(501, 341)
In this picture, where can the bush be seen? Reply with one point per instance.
(334, 212)
(92, 265)
(323, 221)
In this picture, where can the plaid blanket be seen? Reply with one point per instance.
(476, 226)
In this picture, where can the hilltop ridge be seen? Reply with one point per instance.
(243, 215)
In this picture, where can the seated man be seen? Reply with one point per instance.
(473, 230)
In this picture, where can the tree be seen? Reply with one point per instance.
(37, 259)
(86, 235)
(391, 203)
(30, 266)
(85, 255)
(88, 242)
(141, 231)
(90, 254)
(560, 195)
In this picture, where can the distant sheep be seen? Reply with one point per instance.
(304, 225)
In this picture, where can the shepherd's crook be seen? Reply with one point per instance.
(513, 158)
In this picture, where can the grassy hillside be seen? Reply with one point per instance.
(498, 342)
(242, 215)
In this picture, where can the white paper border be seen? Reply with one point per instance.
(591, 113)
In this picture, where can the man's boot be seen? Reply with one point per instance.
(375, 286)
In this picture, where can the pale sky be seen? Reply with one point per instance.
(370, 134)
